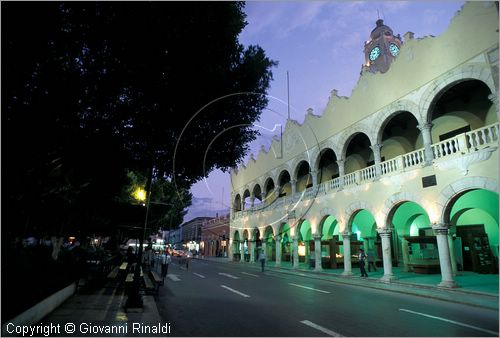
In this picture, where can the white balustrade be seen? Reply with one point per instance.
(482, 136)
(414, 158)
(368, 173)
(350, 179)
(389, 166)
(446, 147)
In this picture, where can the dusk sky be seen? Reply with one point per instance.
(320, 44)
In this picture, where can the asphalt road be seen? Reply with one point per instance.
(214, 299)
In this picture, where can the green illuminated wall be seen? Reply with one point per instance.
(364, 224)
(478, 207)
(330, 228)
(408, 218)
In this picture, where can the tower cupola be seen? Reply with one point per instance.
(382, 48)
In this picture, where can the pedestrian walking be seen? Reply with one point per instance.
(370, 254)
(362, 260)
(262, 258)
(164, 258)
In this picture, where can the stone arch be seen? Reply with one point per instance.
(464, 73)
(395, 200)
(323, 214)
(355, 207)
(317, 159)
(349, 134)
(296, 166)
(389, 112)
(450, 192)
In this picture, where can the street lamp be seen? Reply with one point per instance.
(134, 299)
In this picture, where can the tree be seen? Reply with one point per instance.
(93, 89)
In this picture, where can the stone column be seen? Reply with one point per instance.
(278, 250)
(314, 175)
(406, 254)
(295, 252)
(385, 236)
(242, 252)
(317, 252)
(427, 138)
(441, 232)
(264, 247)
(277, 191)
(341, 164)
(347, 253)
(251, 247)
(451, 245)
(252, 200)
(377, 159)
(293, 183)
(230, 250)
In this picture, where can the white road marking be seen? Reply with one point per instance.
(197, 274)
(250, 274)
(173, 277)
(321, 328)
(228, 275)
(306, 287)
(452, 321)
(235, 291)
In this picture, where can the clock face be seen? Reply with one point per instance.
(375, 53)
(394, 49)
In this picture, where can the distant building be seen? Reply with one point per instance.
(191, 232)
(215, 237)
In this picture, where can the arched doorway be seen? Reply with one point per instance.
(306, 242)
(270, 246)
(286, 242)
(414, 244)
(473, 216)
(363, 230)
(330, 243)
(236, 246)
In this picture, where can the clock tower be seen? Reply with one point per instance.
(381, 49)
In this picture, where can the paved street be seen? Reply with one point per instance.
(211, 299)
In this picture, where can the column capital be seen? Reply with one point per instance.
(376, 146)
(384, 231)
(346, 233)
(440, 228)
(340, 161)
(425, 126)
(295, 238)
(493, 98)
(317, 236)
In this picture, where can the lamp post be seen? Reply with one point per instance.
(134, 299)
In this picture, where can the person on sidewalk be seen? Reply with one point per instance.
(370, 254)
(164, 258)
(362, 260)
(262, 259)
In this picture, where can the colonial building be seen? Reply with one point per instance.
(215, 236)
(191, 232)
(407, 166)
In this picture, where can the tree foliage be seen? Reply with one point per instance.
(94, 90)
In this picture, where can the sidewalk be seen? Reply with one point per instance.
(474, 289)
(102, 313)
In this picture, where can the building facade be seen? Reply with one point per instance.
(407, 166)
(191, 232)
(215, 237)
